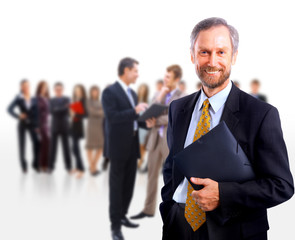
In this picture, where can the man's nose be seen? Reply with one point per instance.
(212, 60)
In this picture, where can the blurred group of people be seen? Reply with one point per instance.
(67, 118)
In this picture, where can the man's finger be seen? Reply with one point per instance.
(200, 181)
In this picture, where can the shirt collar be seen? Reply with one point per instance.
(173, 91)
(123, 85)
(217, 100)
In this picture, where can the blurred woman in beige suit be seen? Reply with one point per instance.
(95, 139)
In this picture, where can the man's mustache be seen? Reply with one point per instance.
(211, 69)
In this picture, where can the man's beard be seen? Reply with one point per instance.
(208, 81)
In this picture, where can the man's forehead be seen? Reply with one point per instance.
(218, 36)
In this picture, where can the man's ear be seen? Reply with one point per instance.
(234, 59)
(192, 57)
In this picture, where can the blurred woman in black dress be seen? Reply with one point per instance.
(78, 113)
(42, 96)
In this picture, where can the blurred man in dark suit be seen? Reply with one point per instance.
(121, 112)
(60, 112)
(255, 86)
(225, 210)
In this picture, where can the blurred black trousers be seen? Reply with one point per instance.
(77, 153)
(121, 180)
(65, 147)
(22, 129)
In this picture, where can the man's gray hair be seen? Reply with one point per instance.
(213, 22)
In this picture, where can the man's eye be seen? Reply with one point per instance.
(222, 52)
(203, 52)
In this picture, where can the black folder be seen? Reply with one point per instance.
(216, 155)
(153, 111)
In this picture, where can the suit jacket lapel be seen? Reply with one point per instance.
(184, 117)
(134, 95)
(123, 94)
(230, 108)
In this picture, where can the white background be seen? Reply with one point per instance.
(82, 42)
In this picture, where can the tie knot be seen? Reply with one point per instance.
(206, 104)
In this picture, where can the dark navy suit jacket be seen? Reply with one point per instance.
(60, 111)
(120, 116)
(256, 125)
(32, 112)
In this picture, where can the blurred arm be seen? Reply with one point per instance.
(11, 108)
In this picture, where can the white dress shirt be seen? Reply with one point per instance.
(215, 110)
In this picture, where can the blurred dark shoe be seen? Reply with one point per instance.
(117, 235)
(96, 173)
(24, 167)
(126, 222)
(36, 169)
(105, 164)
(141, 215)
(145, 170)
(50, 170)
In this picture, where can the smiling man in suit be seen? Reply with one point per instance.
(121, 112)
(242, 207)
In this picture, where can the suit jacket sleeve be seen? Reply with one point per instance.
(163, 119)
(11, 108)
(112, 112)
(274, 183)
(54, 108)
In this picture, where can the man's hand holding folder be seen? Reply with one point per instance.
(215, 157)
(208, 197)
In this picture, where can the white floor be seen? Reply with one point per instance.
(59, 206)
(38, 206)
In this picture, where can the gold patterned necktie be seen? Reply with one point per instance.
(194, 215)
